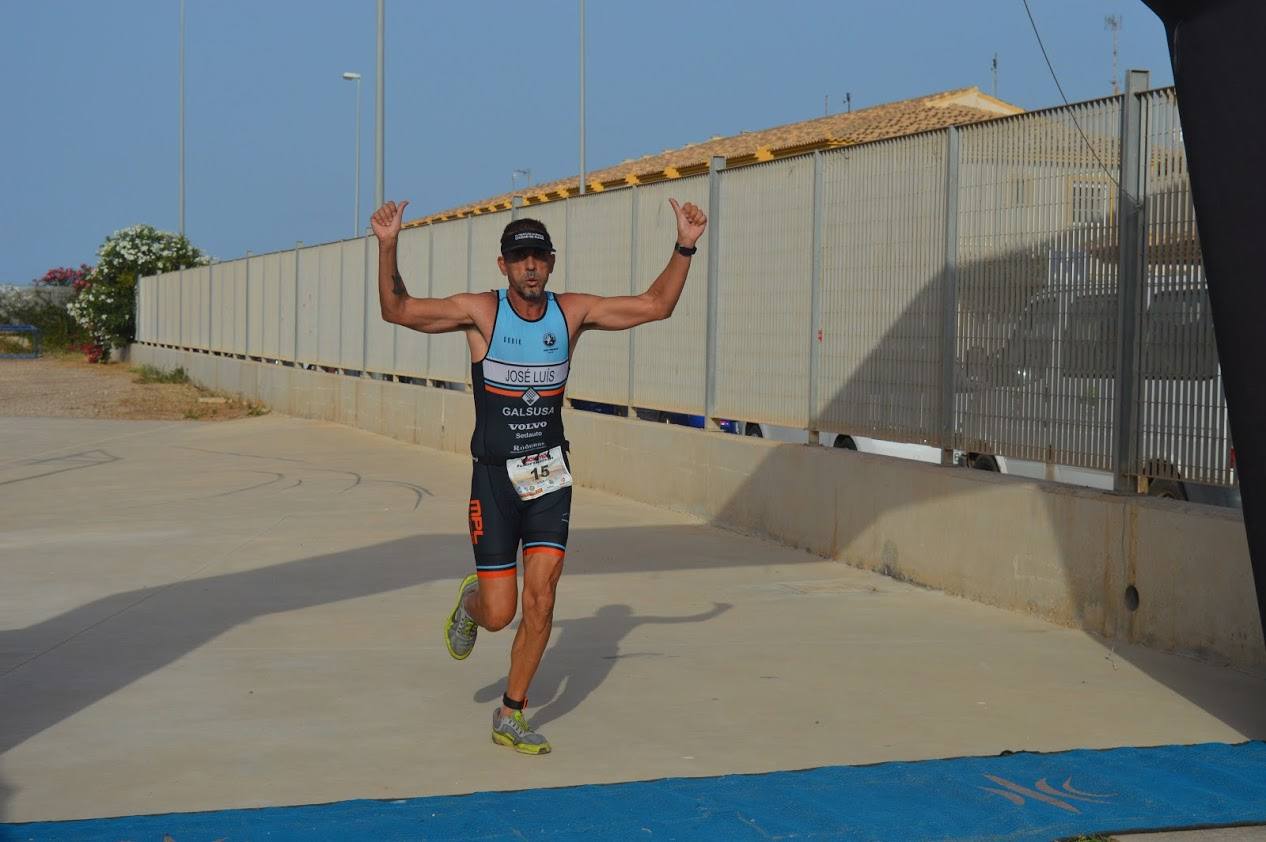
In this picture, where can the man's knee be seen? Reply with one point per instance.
(538, 605)
(498, 617)
(497, 605)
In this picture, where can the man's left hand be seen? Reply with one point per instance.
(691, 222)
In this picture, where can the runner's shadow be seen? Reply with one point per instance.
(583, 654)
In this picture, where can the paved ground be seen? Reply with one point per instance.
(203, 616)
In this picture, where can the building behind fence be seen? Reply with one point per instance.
(1030, 286)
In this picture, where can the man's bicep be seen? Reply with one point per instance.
(620, 312)
(439, 315)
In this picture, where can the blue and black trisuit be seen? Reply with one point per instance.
(518, 389)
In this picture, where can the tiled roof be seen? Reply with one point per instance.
(880, 122)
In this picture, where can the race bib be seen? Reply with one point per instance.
(538, 474)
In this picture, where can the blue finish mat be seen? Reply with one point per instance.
(1020, 796)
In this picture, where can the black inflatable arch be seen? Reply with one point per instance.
(1219, 63)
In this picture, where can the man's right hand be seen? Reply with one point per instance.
(386, 222)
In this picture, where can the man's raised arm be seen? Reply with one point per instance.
(625, 311)
(429, 315)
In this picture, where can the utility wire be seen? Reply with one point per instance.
(1060, 88)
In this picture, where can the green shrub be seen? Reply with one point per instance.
(150, 374)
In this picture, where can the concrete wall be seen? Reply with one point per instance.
(1062, 553)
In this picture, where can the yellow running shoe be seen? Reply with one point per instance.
(514, 731)
(460, 628)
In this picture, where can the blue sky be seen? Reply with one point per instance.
(474, 91)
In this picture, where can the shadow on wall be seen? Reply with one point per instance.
(1032, 364)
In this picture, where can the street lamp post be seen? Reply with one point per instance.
(583, 175)
(379, 107)
(355, 77)
(182, 118)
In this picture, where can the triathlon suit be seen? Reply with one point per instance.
(518, 389)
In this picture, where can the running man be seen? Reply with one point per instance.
(521, 341)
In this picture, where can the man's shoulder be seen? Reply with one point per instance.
(483, 299)
(564, 297)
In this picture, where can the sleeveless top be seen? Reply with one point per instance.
(519, 384)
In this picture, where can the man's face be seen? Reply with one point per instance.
(528, 271)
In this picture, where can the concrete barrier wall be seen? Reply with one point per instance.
(1066, 554)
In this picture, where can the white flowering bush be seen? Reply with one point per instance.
(100, 311)
(105, 306)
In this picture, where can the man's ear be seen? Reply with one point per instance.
(552, 258)
(501, 264)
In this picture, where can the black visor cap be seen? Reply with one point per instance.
(526, 240)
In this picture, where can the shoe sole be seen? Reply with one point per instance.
(448, 622)
(521, 748)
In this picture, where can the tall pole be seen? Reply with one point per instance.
(355, 77)
(582, 96)
(378, 112)
(356, 181)
(182, 118)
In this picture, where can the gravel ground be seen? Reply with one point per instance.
(65, 386)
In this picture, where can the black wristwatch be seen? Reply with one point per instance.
(686, 251)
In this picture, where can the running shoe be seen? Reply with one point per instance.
(460, 628)
(514, 731)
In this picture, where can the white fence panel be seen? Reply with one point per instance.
(450, 355)
(352, 353)
(765, 293)
(599, 243)
(670, 357)
(330, 304)
(883, 275)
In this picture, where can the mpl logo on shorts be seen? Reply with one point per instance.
(530, 397)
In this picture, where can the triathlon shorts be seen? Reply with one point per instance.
(499, 521)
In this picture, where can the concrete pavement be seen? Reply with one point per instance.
(205, 616)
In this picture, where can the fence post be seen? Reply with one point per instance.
(815, 298)
(949, 298)
(246, 291)
(715, 166)
(470, 277)
(338, 357)
(395, 329)
(180, 308)
(294, 316)
(430, 288)
(210, 306)
(136, 310)
(364, 328)
(633, 290)
(1130, 283)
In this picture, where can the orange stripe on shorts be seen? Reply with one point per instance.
(551, 551)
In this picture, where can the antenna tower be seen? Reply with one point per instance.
(1113, 24)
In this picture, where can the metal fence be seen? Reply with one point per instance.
(1030, 286)
(1037, 291)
